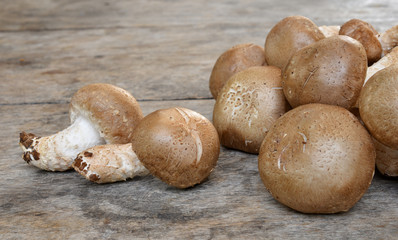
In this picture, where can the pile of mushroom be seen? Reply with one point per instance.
(317, 157)
(109, 140)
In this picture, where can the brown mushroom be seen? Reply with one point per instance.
(330, 71)
(366, 35)
(389, 39)
(177, 145)
(99, 113)
(247, 107)
(386, 159)
(317, 158)
(287, 37)
(378, 106)
(234, 60)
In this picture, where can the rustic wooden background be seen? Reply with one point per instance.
(163, 53)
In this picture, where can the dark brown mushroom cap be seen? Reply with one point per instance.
(234, 60)
(378, 106)
(330, 71)
(287, 37)
(113, 111)
(247, 106)
(317, 158)
(366, 35)
(177, 145)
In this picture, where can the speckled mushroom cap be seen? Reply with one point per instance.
(330, 71)
(378, 106)
(366, 35)
(177, 145)
(248, 106)
(317, 158)
(234, 60)
(112, 110)
(287, 37)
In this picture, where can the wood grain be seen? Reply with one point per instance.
(232, 203)
(163, 53)
(49, 52)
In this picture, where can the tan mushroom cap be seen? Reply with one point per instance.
(234, 60)
(366, 35)
(248, 106)
(112, 110)
(386, 159)
(330, 71)
(177, 145)
(317, 158)
(389, 39)
(378, 106)
(287, 37)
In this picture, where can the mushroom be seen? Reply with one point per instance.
(366, 35)
(177, 145)
(387, 60)
(99, 113)
(287, 37)
(317, 158)
(386, 159)
(389, 39)
(247, 106)
(330, 71)
(378, 106)
(330, 31)
(234, 60)
(109, 163)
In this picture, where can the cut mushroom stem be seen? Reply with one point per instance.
(109, 163)
(56, 152)
(330, 31)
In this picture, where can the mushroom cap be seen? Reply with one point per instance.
(287, 37)
(234, 60)
(177, 145)
(378, 106)
(248, 106)
(330, 71)
(113, 111)
(317, 158)
(366, 35)
(389, 39)
(386, 159)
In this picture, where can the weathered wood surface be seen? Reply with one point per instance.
(51, 48)
(232, 203)
(162, 52)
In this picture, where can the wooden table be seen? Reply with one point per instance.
(163, 53)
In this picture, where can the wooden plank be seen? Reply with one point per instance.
(232, 203)
(154, 56)
(41, 15)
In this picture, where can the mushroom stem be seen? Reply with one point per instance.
(57, 152)
(109, 163)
